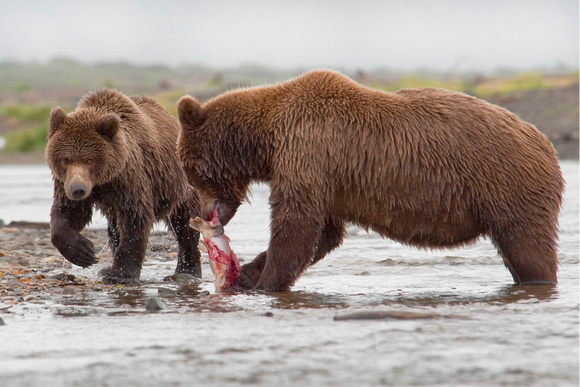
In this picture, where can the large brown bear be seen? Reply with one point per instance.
(118, 154)
(425, 167)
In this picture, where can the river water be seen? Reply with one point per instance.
(481, 328)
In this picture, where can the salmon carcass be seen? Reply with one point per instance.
(223, 261)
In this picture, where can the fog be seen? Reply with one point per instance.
(449, 35)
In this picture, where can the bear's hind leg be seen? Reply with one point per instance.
(188, 255)
(529, 254)
(332, 237)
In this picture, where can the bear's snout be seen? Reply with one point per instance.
(78, 182)
(78, 190)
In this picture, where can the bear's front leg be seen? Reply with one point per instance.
(332, 236)
(130, 253)
(67, 219)
(292, 246)
(113, 233)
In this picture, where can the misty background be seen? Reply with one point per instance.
(442, 35)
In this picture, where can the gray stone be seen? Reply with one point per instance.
(155, 304)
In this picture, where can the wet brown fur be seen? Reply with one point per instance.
(426, 167)
(123, 151)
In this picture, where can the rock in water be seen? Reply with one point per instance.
(155, 304)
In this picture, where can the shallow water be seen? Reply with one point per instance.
(488, 331)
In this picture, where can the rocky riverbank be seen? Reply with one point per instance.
(32, 272)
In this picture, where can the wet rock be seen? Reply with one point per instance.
(155, 304)
(2, 322)
(68, 291)
(204, 293)
(388, 262)
(62, 276)
(268, 314)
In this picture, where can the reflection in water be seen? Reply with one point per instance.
(128, 297)
(516, 293)
(305, 300)
(506, 295)
(193, 298)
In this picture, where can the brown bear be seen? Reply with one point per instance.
(426, 167)
(118, 154)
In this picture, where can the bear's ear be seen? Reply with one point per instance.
(57, 118)
(190, 113)
(108, 126)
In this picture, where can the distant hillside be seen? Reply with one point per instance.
(29, 90)
(63, 74)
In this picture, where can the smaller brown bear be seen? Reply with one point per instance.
(426, 167)
(118, 154)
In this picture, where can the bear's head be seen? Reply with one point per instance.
(85, 149)
(220, 162)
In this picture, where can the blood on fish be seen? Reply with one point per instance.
(223, 261)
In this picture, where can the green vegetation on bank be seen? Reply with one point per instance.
(483, 87)
(32, 127)
(27, 140)
(28, 91)
(25, 113)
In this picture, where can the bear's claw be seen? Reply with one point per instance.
(79, 251)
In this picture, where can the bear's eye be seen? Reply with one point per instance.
(89, 161)
(65, 161)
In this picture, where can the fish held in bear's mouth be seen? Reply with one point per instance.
(223, 261)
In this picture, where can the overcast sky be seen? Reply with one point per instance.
(361, 34)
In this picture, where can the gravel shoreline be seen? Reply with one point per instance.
(33, 272)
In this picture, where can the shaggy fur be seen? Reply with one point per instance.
(118, 154)
(425, 167)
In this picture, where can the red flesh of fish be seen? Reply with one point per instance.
(223, 261)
